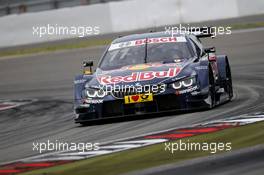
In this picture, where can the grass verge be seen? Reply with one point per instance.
(247, 25)
(56, 47)
(95, 42)
(150, 156)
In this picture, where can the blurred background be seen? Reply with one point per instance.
(8, 7)
(18, 17)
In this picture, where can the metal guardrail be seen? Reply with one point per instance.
(23, 6)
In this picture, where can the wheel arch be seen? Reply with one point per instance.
(223, 64)
(79, 85)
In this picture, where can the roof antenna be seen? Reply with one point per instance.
(146, 50)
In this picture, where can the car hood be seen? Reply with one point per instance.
(142, 74)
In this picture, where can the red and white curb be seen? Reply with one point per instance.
(58, 158)
(9, 104)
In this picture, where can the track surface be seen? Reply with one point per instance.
(48, 77)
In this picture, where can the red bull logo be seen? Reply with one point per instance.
(139, 76)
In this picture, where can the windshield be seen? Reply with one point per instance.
(125, 54)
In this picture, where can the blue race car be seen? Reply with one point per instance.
(152, 73)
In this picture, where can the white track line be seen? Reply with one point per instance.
(55, 159)
(120, 146)
(148, 141)
(86, 153)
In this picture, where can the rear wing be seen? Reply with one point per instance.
(203, 32)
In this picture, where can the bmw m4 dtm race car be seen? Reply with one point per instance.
(152, 73)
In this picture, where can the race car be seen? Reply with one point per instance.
(151, 73)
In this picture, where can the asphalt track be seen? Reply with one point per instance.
(48, 78)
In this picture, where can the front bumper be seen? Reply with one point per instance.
(168, 101)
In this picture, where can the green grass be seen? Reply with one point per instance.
(247, 25)
(95, 42)
(80, 44)
(155, 155)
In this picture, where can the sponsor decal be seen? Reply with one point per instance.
(138, 67)
(191, 89)
(142, 66)
(79, 81)
(93, 101)
(139, 76)
(195, 93)
(140, 42)
(201, 67)
(138, 98)
(148, 65)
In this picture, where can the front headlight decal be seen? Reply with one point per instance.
(184, 83)
(95, 93)
(187, 82)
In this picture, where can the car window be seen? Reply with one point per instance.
(156, 52)
(197, 45)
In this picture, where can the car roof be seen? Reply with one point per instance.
(144, 36)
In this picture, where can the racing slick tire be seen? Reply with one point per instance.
(211, 99)
(229, 87)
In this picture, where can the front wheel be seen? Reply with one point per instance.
(229, 86)
(211, 99)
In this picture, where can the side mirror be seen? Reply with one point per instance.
(211, 53)
(209, 50)
(87, 64)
